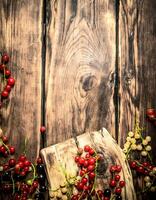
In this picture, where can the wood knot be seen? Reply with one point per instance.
(88, 82)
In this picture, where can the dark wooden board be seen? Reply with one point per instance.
(80, 67)
(137, 55)
(20, 37)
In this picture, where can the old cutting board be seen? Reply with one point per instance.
(59, 161)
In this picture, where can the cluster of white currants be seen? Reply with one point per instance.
(135, 141)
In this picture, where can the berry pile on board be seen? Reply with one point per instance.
(84, 184)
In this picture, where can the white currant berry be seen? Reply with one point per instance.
(153, 189)
(126, 145)
(147, 179)
(64, 190)
(151, 174)
(133, 146)
(137, 136)
(144, 142)
(64, 197)
(148, 148)
(148, 138)
(133, 140)
(52, 194)
(144, 153)
(148, 184)
(154, 170)
(130, 134)
(128, 139)
(58, 194)
(1, 168)
(139, 147)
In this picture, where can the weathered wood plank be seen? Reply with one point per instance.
(137, 63)
(79, 67)
(20, 36)
(60, 162)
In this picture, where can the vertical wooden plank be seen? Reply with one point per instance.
(137, 63)
(20, 36)
(79, 67)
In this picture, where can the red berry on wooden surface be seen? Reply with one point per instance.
(12, 162)
(112, 183)
(87, 148)
(118, 168)
(4, 94)
(122, 183)
(118, 190)
(7, 73)
(7, 88)
(91, 151)
(43, 129)
(5, 58)
(117, 177)
(11, 81)
(91, 168)
(112, 169)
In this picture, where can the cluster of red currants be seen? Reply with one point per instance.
(151, 114)
(9, 81)
(19, 178)
(87, 161)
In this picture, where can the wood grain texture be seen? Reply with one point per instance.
(137, 63)
(80, 66)
(20, 37)
(60, 162)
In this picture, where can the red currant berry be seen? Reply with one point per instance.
(86, 163)
(42, 129)
(84, 180)
(100, 193)
(35, 184)
(80, 186)
(91, 161)
(133, 164)
(77, 158)
(27, 163)
(39, 160)
(87, 148)
(91, 151)
(2, 67)
(140, 169)
(7, 73)
(117, 177)
(7, 88)
(12, 162)
(87, 156)
(118, 168)
(22, 158)
(122, 183)
(112, 183)
(4, 94)
(11, 81)
(5, 58)
(82, 172)
(12, 150)
(112, 169)
(5, 139)
(91, 168)
(85, 188)
(91, 175)
(118, 190)
(81, 160)
(150, 111)
(145, 164)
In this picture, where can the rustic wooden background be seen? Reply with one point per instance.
(79, 65)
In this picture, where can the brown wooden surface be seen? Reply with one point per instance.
(20, 37)
(80, 66)
(137, 55)
(60, 162)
